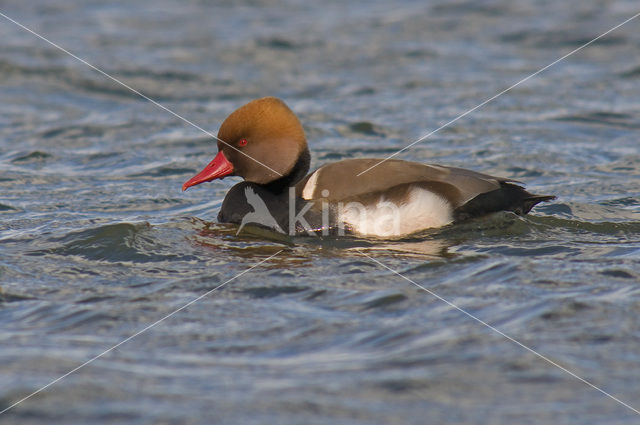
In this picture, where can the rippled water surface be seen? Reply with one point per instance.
(97, 241)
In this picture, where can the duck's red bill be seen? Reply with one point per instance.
(218, 168)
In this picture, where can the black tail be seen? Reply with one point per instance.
(509, 197)
(534, 200)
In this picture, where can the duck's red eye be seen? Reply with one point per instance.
(242, 142)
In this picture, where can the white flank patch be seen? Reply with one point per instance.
(310, 187)
(423, 210)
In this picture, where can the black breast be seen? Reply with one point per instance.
(246, 198)
(272, 205)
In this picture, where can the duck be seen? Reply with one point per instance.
(264, 143)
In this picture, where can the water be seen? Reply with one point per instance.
(97, 241)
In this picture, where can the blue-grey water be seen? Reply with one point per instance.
(97, 241)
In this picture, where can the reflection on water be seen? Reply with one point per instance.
(97, 241)
(429, 248)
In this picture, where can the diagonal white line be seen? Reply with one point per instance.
(498, 331)
(136, 92)
(501, 93)
(136, 334)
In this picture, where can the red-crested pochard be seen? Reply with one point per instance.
(264, 143)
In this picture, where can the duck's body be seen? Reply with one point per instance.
(357, 196)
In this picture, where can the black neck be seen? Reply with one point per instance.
(297, 173)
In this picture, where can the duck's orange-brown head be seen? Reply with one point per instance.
(260, 142)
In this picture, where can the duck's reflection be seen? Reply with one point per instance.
(255, 241)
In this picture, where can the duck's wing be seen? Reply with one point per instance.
(340, 181)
